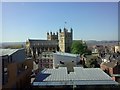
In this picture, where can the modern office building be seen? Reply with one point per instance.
(16, 70)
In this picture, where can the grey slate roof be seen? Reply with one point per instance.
(80, 76)
(110, 64)
(43, 42)
(4, 52)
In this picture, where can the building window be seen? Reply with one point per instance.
(60, 35)
(61, 41)
(41, 65)
(47, 65)
(44, 60)
(8, 60)
(41, 60)
(51, 60)
(26, 67)
(47, 60)
(48, 55)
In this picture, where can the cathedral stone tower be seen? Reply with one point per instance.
(52, 36)
(65, 40)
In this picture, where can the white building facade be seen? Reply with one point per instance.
(60, 58)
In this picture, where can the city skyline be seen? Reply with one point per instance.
(89, 20)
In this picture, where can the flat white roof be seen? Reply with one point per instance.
(80, 76)
(66, 54)
(4, 52)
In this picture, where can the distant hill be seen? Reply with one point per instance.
(89, 43)
(6, 44)
(104, 43)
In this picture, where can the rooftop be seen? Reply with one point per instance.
(66, 54)
(43, 42)
(4, 52)
(110, 64)
(80, 76)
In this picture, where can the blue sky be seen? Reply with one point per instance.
(89, 20)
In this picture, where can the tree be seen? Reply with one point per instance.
(14, 46)
(92, 62)
(78, 47)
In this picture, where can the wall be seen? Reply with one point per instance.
(117, 48)
(19, 56)
(35, 66)
(18, 80)
(111, 71)
(57, 58)
(29, 63)
(12, 75)
(45, 63)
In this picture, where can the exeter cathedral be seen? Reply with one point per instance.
(60, 41)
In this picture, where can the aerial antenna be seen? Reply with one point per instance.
(65, 24)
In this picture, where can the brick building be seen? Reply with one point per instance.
(112, 69)
(46, 60)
